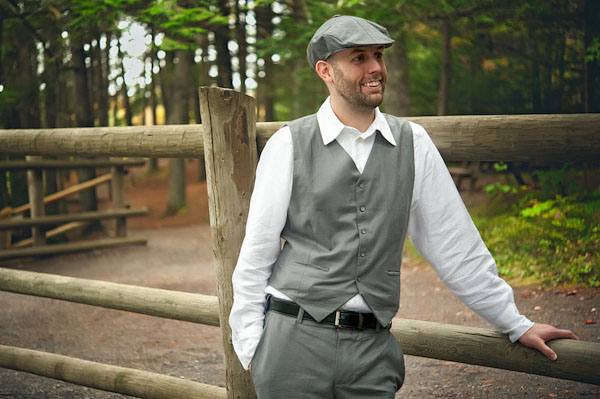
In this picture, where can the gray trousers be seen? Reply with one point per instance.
(298, 358)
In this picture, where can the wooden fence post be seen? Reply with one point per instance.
(5, 235)
(118, 198)
(230, 153)
(35, 184)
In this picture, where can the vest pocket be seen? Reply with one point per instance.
(392, 273)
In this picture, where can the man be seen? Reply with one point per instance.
(343, 187)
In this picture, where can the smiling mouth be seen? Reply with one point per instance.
(375, 83)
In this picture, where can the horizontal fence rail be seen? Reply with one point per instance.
(73, 217)
(577, 360)
(67, 192)
(70, 247)
(544, 138)
(66, 164)
(168, 304)
(127, 381)
(165, 141)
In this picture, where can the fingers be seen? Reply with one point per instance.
(548, 333)
(546, 350)
(537, 336)
(562, 334)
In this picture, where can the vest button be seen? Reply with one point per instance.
(361, 186)
(362, 254)
(363, 231)
(363, 208)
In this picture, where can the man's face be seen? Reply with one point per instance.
(359, 76)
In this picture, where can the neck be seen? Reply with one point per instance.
(359, 118)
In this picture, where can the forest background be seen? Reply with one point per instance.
(136, 62)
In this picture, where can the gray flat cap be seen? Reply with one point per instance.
(342, 32)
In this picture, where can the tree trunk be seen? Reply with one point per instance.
(264, 30)
(126, 104)
(178, 114)
(18, 69)
(153, 164)
(445, 68)
(83, 114)
(225, 77)
(397, 94)
(195, 104)
(591, 68)
(81, 98)
(240, 33)
(299, 13)
(166, 80)
(103, 72)
(205, 79)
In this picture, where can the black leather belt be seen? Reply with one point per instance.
(339, 318)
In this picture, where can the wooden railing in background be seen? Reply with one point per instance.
(36, 245)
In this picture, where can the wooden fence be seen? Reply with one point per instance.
(35, 167)
(227, 138)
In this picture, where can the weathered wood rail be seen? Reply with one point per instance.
(142, 384)
(543, 138)
(229, 140)
(74, 217)
(577, 360)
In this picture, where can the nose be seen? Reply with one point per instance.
(374, 65)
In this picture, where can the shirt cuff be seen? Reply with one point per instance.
(245, 346)
(516, 333)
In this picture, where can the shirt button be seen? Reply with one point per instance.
(363, 208)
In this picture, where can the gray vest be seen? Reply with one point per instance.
(345, 230)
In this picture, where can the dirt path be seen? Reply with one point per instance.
(179, 257)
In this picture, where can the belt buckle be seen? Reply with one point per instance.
(338, 315)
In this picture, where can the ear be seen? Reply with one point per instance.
(325, 71)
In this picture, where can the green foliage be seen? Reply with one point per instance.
(546, 237)
(593, 51)
(498, 187)
(87, 14)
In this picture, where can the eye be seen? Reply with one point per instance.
(359, 58)
(379, 55)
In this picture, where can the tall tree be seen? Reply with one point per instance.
(444, 92)
(178, 114)
(240, 36)
(83, 112)
(124, 94)
(225, 76)
(397, 94)
(264, 31)
(592, 60)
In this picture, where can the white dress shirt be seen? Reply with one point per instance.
(440, 228)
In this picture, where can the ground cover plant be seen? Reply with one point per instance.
(545, 232)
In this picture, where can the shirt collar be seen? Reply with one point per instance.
(331, 127)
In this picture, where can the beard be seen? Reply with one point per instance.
(352, 91)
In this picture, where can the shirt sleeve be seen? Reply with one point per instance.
(262, 243)
(443, 232)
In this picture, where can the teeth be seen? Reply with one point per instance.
(372, 84)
